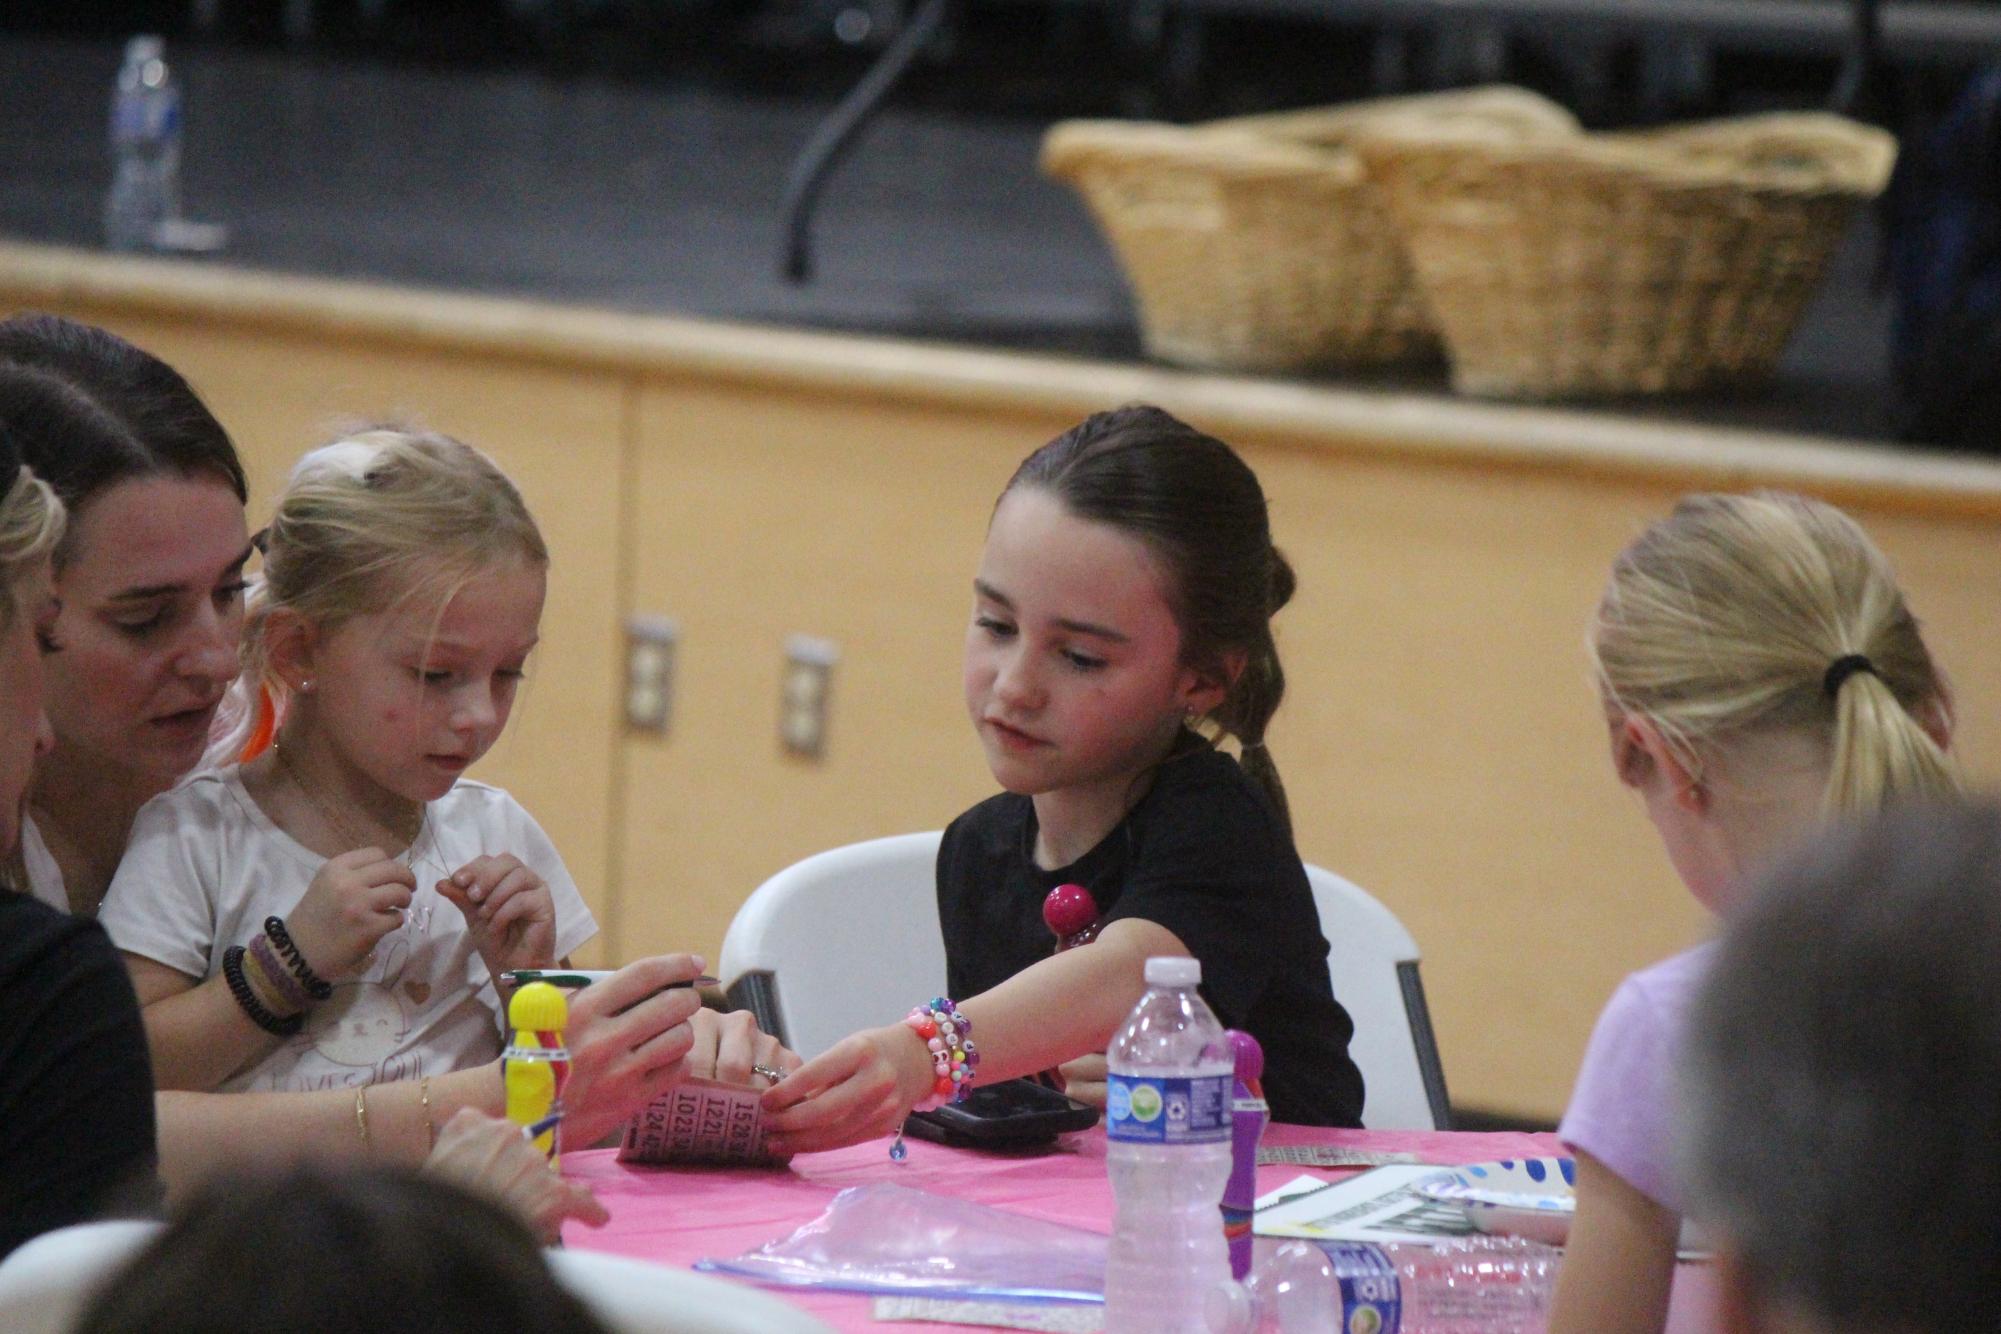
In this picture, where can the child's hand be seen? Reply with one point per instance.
(860, 1088)
(1084, 1079)
(356, 899)
(508, 909)
(487, 1154)
(729, 1046)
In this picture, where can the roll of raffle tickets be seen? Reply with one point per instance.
(536, 1064)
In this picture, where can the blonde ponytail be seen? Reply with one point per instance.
(1732, 615)
(1881, 751)
(32, 520)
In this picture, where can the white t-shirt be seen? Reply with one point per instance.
(45, 878)
(206, 866)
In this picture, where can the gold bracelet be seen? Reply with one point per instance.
(424, 1098)
(361, 1116)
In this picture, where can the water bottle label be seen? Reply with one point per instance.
(1371, 1297)
(1180, 1109)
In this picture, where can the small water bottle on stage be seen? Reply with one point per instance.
(145, 192)
(1168, 1122)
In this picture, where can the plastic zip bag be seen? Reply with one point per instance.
(893, 1239)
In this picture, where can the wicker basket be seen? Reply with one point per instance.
(1571, 266)
(1259, 243)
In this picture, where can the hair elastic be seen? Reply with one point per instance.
(1844, 667)
(281, 939)
(239, 987)
(272, 981)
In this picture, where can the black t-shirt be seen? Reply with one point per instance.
(77, 1138)
(1203, 855)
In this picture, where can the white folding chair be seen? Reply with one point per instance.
(848, 939)
(1373, 962)
(46, 1282)
(844, 940)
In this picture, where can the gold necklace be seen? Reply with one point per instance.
(330, 812)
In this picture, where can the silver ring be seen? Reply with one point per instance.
(773, 1075)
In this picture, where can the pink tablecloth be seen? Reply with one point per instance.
(676, 1216)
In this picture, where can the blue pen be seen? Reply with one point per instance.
(531, 1133)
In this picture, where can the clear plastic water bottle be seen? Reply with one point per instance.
(1469, 1285)
(1168, 1119)
(145, 148)
(1293, 1292)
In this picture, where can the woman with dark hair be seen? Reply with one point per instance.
(150, 576)
(149, 582)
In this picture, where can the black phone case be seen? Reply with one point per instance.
(1009, 1114)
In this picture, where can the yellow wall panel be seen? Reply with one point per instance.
(756, 516)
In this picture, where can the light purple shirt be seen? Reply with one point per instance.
(1622, 1110)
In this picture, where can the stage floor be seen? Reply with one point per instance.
(663, 197)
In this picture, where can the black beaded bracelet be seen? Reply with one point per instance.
(274, 927)
(239, 987)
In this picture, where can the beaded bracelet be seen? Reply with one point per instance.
(947, 1034)
(274, 927)
(232, 973)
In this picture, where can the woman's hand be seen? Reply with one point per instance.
(1084, 1079)
(508, 911)
(860, 1088)
(356, 899)
(728, 1043)
(628, 1036)
(487, 1154)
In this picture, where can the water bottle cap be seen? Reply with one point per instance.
(1173, 970)
(538, 1007)
(146, 46)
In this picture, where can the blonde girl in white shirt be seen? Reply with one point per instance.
(338, 911)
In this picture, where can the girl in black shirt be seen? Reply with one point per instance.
(1122, 615)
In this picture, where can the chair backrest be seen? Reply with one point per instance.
(844, 940)
(1373, 962)
(46, 1283)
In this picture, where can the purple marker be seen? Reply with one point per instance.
(1250, 1115)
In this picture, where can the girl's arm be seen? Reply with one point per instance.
(628, 1038)
(1063, 1007)
(198, 1035)
(1619, 1265)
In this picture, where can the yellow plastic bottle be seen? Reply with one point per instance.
(536, 1063)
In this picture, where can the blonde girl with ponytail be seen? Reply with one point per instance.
(341, 911)
(1120, 628)
(1761, 675)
